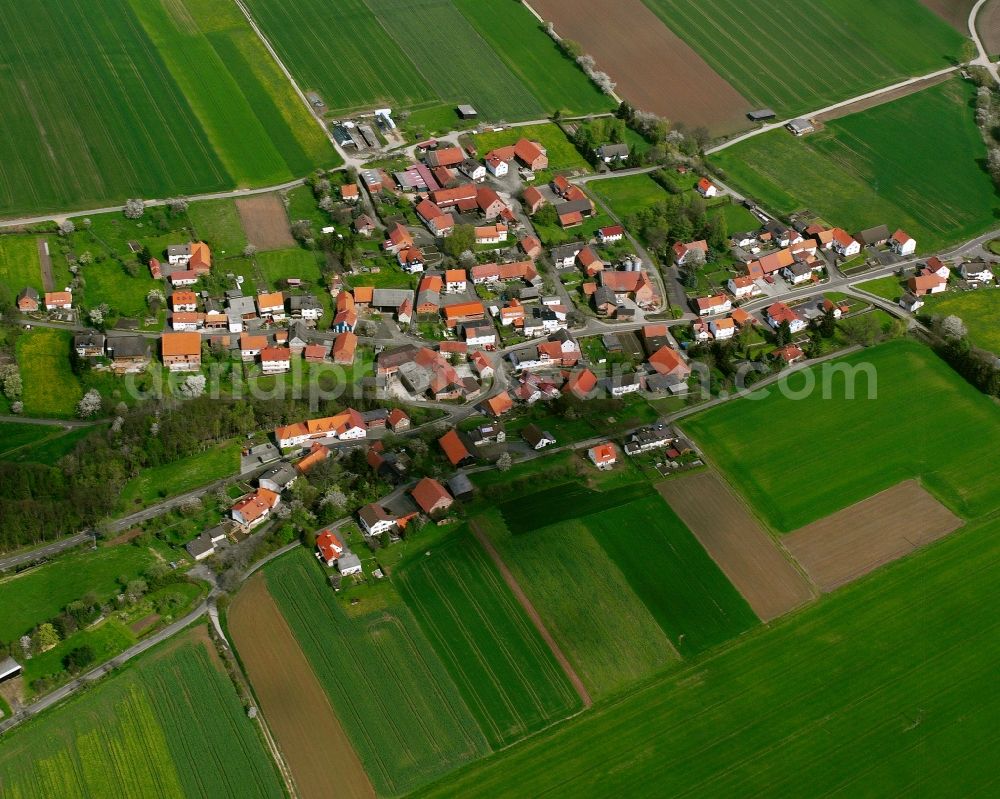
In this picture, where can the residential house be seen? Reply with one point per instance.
(58, 300)
(473, 170)
(668, 361)
(873, 236)
(581, 384)
(181, 352)
(345, 348)
(778, 312)
(722, 328)
(316, 455)
(536, 438)
(251, 346)
(431, 497)
(255, 507)
(462, 312)
(902, 244)
(742, 286)
(187, 320)
(611, 234)
(844, 244)
(707, 189)
(789, 354)
(910, 302)
(278, 477)
(498, 405)
(481, 364)
(612, 153)
(603, 456)
(928, 283)
(531, 246)
(691, 251)
(89, 344)
(633, 283)
(479, 334)
(129, 354)
(329, 548)
(350, 193)
(531, 155)
(646, 439)
(185, 277)
(454, 281)
(376, 520)
(271, 306)
(716, 304)
(589, 261)
(489, 203)
(496, 166)
(618, 385)
(364, 225)
(490, 234)
(411, 260)
(976, 272)
(564, 256)
(274, 360)
(27, 300)
(397, 420)
(455, 449)
(532, 199)
(935, 266)
(397, 238)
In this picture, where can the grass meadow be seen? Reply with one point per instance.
(116, 98)
(391, 692)
(107, 282)
(798, 460)
(839, 48)
(40, 593)
(531, 54)
(278, 265)
(50, 449)
(629, 194)
(914, 163)
(586, 602)
(505, 672)
(14, 436)
(884, 687)
(980, 310)
(181, 476)
(218, 223)
(19, 265)
(50, 387)
(168, 725)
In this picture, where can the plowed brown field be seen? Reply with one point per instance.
(318, 752)
(751, 559)
(988, 25)
(654, 68)
(265, 221)
(852, 542)
(954, 12)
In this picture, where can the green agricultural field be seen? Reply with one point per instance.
(393, 695)
(585, 601)
(50, 387)
(914, 163)
(671, 573)
(19, 265)
(820, 52)
(41, 593)
(218, 223)
(884, 688)
(14, 436)
(107, 282)
(181, 476)
(627, 195)
(569, 500)
(460, 66)
(530, 53)
(563, 156)
(505, 672)
(169, 725)
(278, 265)
(776, 450)
(980, 310)
(347, 57)
(171, 108)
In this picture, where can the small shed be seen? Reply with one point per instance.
(467, 112)
(461, 487)
(9, 668)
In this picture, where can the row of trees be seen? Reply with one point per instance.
(678, 218)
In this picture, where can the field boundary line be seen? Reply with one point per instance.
(533, 614)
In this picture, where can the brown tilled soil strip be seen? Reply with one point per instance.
(536, 619)
(888, 97)
(45, 261)
(297, 709)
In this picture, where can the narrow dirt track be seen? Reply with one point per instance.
(533, 614)
(45, 263)
(304, 724)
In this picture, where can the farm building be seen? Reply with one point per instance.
(761, 115)
(9, 668)
(800, 126)
(467, 112)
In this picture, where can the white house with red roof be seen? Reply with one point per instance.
(603, 456)
(707, 189)
(902, 244)
(329, 547)
(844, 243)
(742, 286)
(718, 303)
(690, 251)
(778, 312)
(611, 234)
